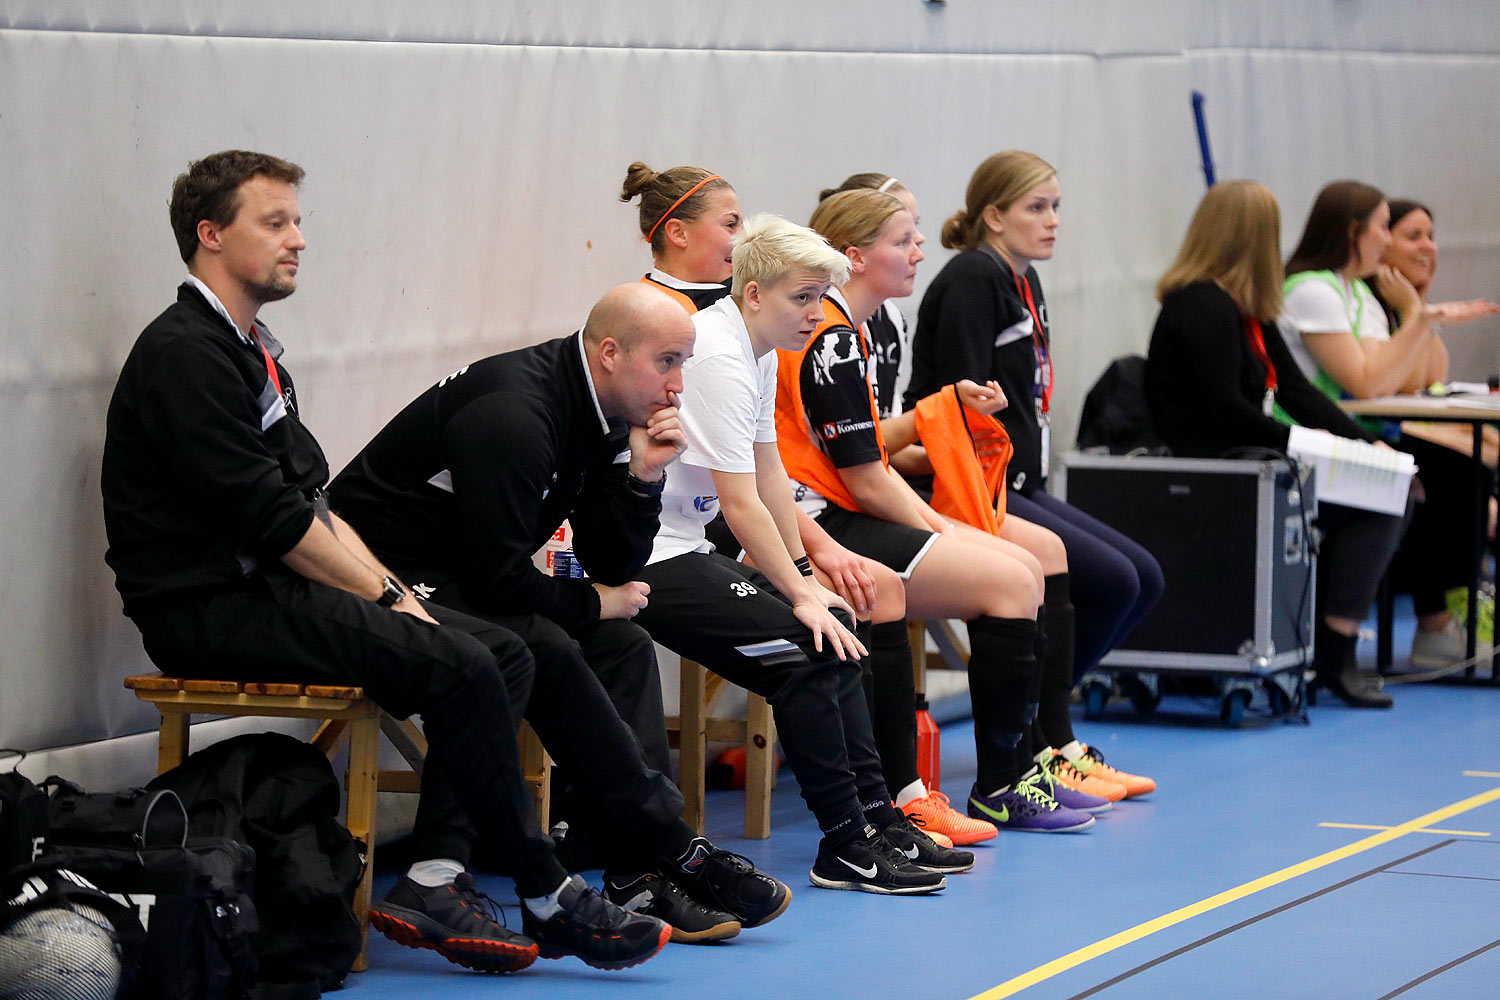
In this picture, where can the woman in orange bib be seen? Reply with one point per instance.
(834, 447)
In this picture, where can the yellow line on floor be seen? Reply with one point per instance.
(1371, 826)
(1086, 954)
(1482, 774)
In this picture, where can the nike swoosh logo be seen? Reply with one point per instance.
(911, 853)
(866, 872)
(1003, 816)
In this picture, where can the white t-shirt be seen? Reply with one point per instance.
(728, 406)
(1314, 306)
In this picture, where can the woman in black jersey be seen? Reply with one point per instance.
(984, 317)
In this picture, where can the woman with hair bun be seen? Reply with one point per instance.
(984, 317)
(690, 218)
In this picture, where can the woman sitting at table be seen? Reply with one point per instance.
(1342, 339)
(1216, 367)
(1436, 554)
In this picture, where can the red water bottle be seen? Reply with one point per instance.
(929, 747)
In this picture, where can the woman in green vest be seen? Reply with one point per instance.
(1347, 344)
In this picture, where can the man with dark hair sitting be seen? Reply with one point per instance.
(231, 564)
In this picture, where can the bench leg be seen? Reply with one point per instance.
(364, 772)
(692, 743)
(536, 768)
(760, 766)
(172, 740)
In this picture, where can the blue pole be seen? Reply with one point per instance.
(1202, 125)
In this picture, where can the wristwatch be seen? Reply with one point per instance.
(641, 488)
(391, 593)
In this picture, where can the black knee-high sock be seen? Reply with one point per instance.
(893, 708)
(1035, 739)
(1002, 664)
(1055, 715)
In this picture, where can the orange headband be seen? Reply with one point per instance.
(679, 201)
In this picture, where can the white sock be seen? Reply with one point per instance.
(912, 792)
(548, 906)
(434, 872)
(999, 791)
(1043, 755)
(1072, 752)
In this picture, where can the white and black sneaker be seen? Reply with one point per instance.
(870, 863)
(924, 852)
(655, 895)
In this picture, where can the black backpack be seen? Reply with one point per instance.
(1115, 418)
(279, 796)
(192, 895)
(23, 817)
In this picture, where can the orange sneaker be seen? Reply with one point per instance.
(1065, 772)
(1092, 763)
(933, 814)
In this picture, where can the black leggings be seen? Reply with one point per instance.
(1113, 581)
(1357, 547)
(1435, 554)
(709, 608)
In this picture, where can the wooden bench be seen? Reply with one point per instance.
(348, 717)
(692, 728)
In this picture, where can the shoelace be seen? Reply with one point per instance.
(594, 911)
(1031, 789)
(893, 855)
(738, 863)
(939, 798)
(471, 897)
(1063, 768)
(914, 829)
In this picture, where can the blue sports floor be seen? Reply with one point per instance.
(1228, 882)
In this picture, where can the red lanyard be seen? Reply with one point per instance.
(1043, 354)
(1258, 344)
(271, 372)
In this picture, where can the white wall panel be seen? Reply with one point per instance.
(982, 26)
(464, 162)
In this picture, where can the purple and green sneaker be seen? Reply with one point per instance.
(1026, 806)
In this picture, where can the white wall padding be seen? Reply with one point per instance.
(464, 162)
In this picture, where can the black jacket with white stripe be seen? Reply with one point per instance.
(477, 473)
(207, 472)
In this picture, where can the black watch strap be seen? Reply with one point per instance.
(642, 488)
(391, 593)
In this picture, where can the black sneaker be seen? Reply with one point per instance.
(871, 864)
(656, 896)
(924, 852)
(729, 882)
(457, 921)
(597, 931)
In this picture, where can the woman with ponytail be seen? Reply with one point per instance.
(689, 217)
(985, 317)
